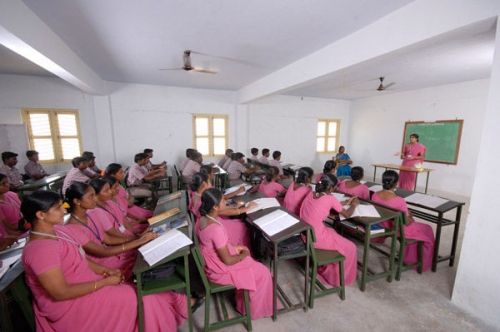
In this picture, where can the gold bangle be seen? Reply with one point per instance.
(95, 286)
(123, 247)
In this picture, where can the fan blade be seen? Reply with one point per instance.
(205, 71)
(171, 68)
(243, 62)
(389, 85)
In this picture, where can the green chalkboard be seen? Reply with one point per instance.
(441, 139)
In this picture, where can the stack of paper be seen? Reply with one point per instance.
(425, 200)
(376, 187)
(363, 210)
(275, 222)
(162, 216)
(264, 203)
(163, 246)
(235, 188)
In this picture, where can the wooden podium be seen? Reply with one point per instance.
(407, 169)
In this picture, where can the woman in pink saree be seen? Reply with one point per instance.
(413, 154)
(298, 190)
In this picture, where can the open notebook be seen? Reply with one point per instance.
(233, 189)
(164, 215)
(363, 210)
(275, 222)
(264, 203)
(163, 246)
(426, 200)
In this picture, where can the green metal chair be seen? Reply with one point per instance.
(21, 294)
(403, 242)
(215, 290)
(320, 258)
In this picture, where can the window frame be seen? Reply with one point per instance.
(54, 131)
(211, 135)
(328, 135)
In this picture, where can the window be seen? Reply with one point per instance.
(55, 134)
(210, 134)
(327, 135)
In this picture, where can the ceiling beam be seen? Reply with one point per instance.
(411, 24)
(27, 35)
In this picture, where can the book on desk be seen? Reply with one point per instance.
(275, 222)
(163, 246)
(374, 229)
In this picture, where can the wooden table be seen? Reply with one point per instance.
(43, 183)
(366, 236)
(435, 215)
(273, 242)
(406, 169)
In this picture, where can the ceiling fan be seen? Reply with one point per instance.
(383, 87)
(186, 58)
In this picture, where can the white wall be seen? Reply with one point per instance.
(160, 117)
(17, 92)
(477, 286)
(377, 125)
(289, 124)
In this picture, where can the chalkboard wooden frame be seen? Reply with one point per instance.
(457, 145)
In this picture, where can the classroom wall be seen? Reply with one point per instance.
(477, 285)
(17, 92)
(377, 125)
(289, 123)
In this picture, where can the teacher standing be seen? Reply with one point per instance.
(413, 154)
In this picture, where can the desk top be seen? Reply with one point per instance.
(385, 214)
(404, 168)
(449, 205)
(43, 181)
(141, 265)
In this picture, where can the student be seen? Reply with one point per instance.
(265, 155)
(254, 155)
(92, 171)
(150, 166)
(10, 212)
(87, 226)
(76, 174)
(224, 162)
(123, 198)
(413, 230)
(276, 163)
(106, 199)
(228, 264)
(354, 187)
(413, 154)
(9, 169)
(298, 190)
(269, 187)
(236, 229)
(138, 174)
(192, 167)
(73, 293)
(315, 209)
(33, 169)
(189, 155)
(329, 168)
(344, 162)
(237, 167)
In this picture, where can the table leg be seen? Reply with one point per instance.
(306, 274)
(437, 241)
(455, 235)
(427, 182)
(364, 271)
(275, 282)
(374, 173)
(392, 257)
(416, 180)
(140, 304)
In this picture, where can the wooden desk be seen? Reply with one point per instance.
(273, 243)
(366, 236)
(406, 169)
(43, 183)
(179, 280)
(435, 215)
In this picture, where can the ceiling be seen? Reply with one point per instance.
(462, 55)
(12, 63)
(129, 40)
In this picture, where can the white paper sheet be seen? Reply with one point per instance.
(233, 189)
(376, 187)
(425, 200)
(275, 222)
(340, 197)
(362, 210)
(163, 246)
(264, 203)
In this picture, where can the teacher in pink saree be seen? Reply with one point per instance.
(413, 154)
